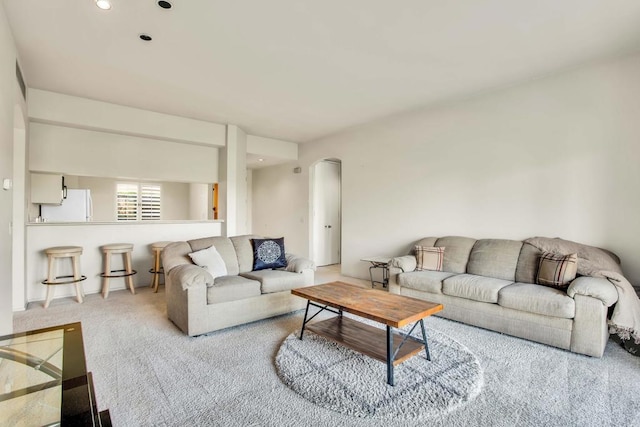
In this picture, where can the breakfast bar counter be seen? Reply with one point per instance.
(90, 236)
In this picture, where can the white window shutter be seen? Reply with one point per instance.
(127, 202)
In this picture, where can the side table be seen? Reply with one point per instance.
(379, 262)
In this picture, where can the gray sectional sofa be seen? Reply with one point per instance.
(491, 283)
(197, 303)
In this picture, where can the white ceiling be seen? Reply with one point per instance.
(301, 69)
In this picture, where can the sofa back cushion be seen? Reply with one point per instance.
(495, 258)
(427, 241)
(244, 250)
(225, 248)
(528, 261)
(456, 252)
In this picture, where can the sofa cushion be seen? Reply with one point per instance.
(456, 254)
(211, 260)
(268, 253)
(528, 264)
(477, 288)
(232, 288)
(537, 299)
(429, 258)
(426, 281)
(276, 280)
(495, 258)
(223, 246)
(244, 251)
(557, 270)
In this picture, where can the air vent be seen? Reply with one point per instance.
(23, 87)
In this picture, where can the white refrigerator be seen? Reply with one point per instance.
(76, 207)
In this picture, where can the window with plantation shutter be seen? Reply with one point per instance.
(138, 201)
(149, 202)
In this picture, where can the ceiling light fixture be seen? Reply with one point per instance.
(103, 4)
(261, 160)
(165, 4)
(145, 37)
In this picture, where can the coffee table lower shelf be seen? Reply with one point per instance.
(365, 339)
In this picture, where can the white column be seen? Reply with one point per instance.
(232, 199)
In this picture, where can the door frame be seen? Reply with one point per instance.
(312, 205)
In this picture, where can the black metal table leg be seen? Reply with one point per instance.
(371, 275)
(389, 356)
(424, 338)
(304, 321)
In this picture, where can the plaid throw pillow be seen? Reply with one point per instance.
(557, 271)
(429, 258)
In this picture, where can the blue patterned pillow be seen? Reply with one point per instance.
(268, 253)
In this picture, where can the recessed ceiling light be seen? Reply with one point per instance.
(261, 160)
(103, 4)
(146, 37)
(165, 4)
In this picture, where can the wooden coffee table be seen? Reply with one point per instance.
(394, 311)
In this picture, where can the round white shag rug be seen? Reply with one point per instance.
(340, 379)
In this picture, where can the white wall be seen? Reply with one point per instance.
(73, 111)
(7, 87)
(91, 153)
(553, 157)
(199, 198)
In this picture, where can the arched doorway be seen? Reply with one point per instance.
(326, 212)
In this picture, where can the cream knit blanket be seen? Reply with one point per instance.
(596, 262)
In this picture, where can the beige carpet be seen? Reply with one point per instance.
(148, 373)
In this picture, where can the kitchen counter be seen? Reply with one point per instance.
(92, 235)
(127, 222)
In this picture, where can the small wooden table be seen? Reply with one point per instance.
(394, 311)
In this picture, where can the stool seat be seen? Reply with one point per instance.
(60, 253)
(117, 248)
(64, 250)
(159, 245)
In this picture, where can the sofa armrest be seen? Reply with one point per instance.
(594, 287)
(190, 276)
(297, 264)
(405, 263)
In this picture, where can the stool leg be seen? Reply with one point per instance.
(129, 270)
(50, 278)
(156, 275)
(76, 276)
(107, 271)
(153, 275)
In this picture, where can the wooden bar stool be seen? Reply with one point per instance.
(117, 248)
(61, 252)
(157, 268)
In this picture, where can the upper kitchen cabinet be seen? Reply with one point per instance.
(47, 188)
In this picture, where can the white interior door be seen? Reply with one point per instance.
(327, 213)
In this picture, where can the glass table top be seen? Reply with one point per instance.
(43, 378)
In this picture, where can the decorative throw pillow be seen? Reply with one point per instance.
(557, 271)
(211, 260)
(268, 253)
(429, 258)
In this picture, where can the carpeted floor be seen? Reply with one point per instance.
(148, 373)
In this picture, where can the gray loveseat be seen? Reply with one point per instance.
(197, 303)
(491, 283)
